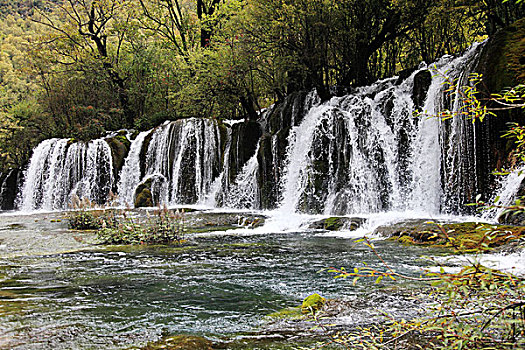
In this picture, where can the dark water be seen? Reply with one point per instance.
(217, 286)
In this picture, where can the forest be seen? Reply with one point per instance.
(79, 68)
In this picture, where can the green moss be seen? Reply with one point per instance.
(143, 195)
(469, 236)
(333, 223)
(503, 64)
(312, 303)
(120, 146)
(181, 342)
(287, 313)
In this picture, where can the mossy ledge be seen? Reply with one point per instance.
(466, 236)
(181, 342)
(337, 223)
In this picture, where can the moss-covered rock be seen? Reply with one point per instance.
(290, 313)
(502, 62)
(312, 303)
(336, 223)
(468, 236)
(143, 195)
(181, 342)
(119, 150)
(502, 65)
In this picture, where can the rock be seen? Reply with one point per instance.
(245, 137)
(471, 236)
(422, 81)
(404, 227)
(8, 188)
(181, 342)
(502, 66)
(516, 218)
(312, 303)
(143, 196)
(336, 223)
(119, 150)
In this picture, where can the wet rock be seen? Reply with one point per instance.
(8, 189)
(502, 66)
(181, 342)
(143, 195)
(516, 218)
(245, 137)
(119, 150)
(404, 227)
(471, 236)
(422, 81)
(336, 223)
(312, 303)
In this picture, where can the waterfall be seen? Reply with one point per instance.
(244, 192)
(130, 173)
(216, 195)
(186, 154)
(59, 169)
(506, 192)
(365, 152)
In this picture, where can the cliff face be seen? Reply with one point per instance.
(502, 64)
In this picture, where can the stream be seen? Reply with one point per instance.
(59, 291)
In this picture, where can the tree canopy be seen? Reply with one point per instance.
(76, 68)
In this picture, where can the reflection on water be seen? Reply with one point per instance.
(114, 297)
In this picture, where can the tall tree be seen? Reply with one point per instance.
(90, 31)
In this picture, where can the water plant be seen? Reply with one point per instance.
(164, 227)
(121, 227)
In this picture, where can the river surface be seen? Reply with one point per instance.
(60, 291)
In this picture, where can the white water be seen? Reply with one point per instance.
(506, 192)
(244, 192)
(378, 159)
(359, 154)
(130, 174)
(59, 170)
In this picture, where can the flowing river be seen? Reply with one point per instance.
(58, 291)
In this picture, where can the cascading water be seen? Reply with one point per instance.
(362, 153)
(58, 170)
(244, 192)
(366, 152)
(186, 155)
(508, 186)
(130, 173)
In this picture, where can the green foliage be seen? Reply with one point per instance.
(84, 220)
(80, 68)
(165, 227)
(312, 303)
(475, 308)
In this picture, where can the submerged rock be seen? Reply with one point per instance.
(181, 342)
(470, 236)
(336, 223)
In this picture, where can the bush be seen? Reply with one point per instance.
(165, 227)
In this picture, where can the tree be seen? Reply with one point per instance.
(90, 32)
